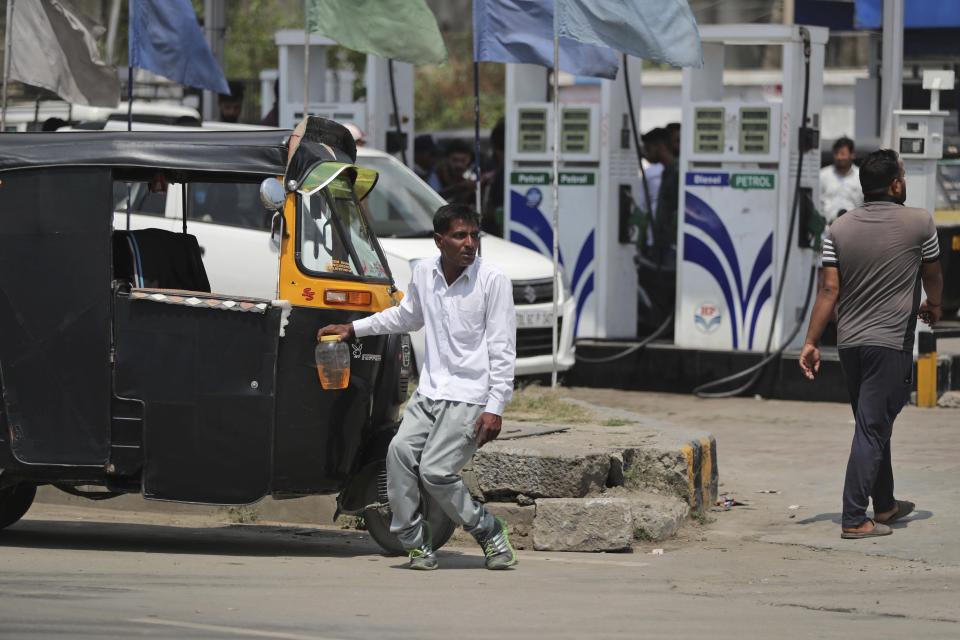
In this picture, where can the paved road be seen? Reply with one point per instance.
(753, 572)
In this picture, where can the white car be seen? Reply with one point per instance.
(233, 231)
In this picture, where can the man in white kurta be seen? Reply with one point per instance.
(465, 306)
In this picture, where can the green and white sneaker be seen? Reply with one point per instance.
(423, 558)
(496, 547)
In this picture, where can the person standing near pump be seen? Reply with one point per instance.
(874, 260)
(466, 308)
(840, 182)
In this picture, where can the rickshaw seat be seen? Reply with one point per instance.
(160, 259)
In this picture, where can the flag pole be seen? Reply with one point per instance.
(556, 200)
(476, 136)
(6, 65)
(306, 58)
(129, 128)
(130, 97)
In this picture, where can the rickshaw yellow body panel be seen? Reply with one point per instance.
(308, 291)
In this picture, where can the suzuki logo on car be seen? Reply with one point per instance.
(529, 294)
(309, 294)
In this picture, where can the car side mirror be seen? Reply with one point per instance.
(272, 194)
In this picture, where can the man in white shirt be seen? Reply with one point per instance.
(466, 307)
(840, 182)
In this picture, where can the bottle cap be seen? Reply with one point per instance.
(330, 338)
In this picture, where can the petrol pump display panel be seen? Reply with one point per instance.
(735, 131)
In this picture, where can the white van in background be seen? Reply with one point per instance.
(233, 230)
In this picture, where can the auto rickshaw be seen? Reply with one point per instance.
(122, 372)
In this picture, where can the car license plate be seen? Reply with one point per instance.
(527, 318)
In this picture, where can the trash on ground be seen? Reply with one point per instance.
(728, 501)
(768, 491)
(657, 552)
(793, 507)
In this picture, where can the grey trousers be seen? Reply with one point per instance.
(879, 383)
(435, 440)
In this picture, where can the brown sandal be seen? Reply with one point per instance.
(878, 530)
(904, 508)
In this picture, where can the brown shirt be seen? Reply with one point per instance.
(878, 249)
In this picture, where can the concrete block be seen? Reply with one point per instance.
(657, 517)
(588, 524)
(504, 471)
(519, 520)
(687, 470)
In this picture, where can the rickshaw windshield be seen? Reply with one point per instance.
(333, 235)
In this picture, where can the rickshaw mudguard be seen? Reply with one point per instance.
(204, 367)
(55, 318)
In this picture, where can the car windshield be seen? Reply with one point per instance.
(334, 236)
(402, 205)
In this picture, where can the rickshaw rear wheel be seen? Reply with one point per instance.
(14, 502)
(378, 519)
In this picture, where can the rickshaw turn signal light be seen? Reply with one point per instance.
(352, 298)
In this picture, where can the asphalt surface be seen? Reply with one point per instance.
(756, 571)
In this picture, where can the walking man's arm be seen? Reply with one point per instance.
(932, 277)
(822, 312)
(501, 331)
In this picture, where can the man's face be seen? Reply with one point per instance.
(652, 152)
(459, 245)
(459, 162)
(843, 159)
(230, 110)
(423, 158)
(899, 187)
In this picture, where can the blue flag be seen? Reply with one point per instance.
(521, 32)
(657, 30)
(166, 39)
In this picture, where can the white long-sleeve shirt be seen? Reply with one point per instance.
(471, 332)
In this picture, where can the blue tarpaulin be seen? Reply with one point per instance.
(917, 14)
(521, 31)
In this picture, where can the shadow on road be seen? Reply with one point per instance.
(900, 524)
(229, 540)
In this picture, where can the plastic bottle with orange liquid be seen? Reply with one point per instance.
(333, 362)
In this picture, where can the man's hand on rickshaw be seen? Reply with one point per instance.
(345, 331)
(487, 427)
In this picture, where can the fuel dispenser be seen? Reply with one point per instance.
(332, 92)
(599, 177)
(919, 140)
(746, 248)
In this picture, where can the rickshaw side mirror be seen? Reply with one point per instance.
(272, 194)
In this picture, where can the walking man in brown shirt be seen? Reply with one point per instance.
(874, 260)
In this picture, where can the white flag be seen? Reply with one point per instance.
(54, 46)
(658, 30)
